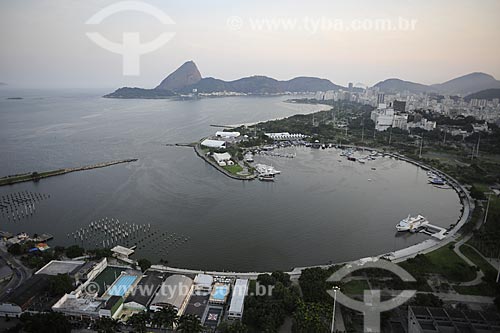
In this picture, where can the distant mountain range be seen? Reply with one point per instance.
(463, 85)
(488, 94)
(187, 78)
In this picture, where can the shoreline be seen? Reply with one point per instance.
(396, 256)
(200, 154)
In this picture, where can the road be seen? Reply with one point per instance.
(20, 272)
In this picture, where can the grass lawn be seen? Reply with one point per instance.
(483, 289)
(477, 260)
(443, 261)
(355, 287)
(446, 262)
(234, 169)
(482, 187)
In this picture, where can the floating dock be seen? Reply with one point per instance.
(434, 231)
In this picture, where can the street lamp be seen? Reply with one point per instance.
(487, 208)
(335, 289)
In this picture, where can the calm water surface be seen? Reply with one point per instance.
(319, 209)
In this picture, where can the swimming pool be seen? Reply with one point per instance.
(122, 285)
(220, 293)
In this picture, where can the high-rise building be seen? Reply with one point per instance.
(380, 98)
(350, 86)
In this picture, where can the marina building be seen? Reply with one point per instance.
(176, 291)
(285, 136)
(216, 144)
(240, 290)
(222, 159)
(122, 253)
(227, 135)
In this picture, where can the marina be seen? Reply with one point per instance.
(19, 205)
(108, 232)
(175, 192)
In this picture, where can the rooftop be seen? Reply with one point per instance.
(147, 287)
(56, 267)
(81, 305)
(122, 250)
(238, 296)
(173, 290)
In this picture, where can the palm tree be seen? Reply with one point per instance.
(166, 317)
(138, 322)
(189, 324)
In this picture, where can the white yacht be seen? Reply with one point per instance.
(412, 224)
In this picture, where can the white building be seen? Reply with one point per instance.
(238, 299)
(123, 253)
(382, 117)
(227, 135)
(424, 124)
(217, 144)
(203, 284)
(400, 121)
(285, 136)
(222, 159)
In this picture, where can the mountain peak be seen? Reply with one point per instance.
(469, 83)
(186, 75)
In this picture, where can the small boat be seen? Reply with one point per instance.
(266, 178)
(437, 181)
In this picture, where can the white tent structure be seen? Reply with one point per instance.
(217, 144)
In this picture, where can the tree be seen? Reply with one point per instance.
(311, 317)
(106, 325)
(60, 284)
(144, 264)
(138, 322)
(51, 322)
(166, 317)
(189, 324)
(235, 327)
(15, 249)
(74, 251)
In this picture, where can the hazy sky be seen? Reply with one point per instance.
(44, 42)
